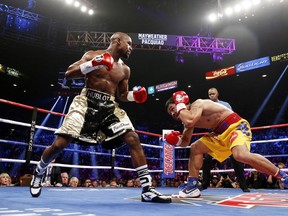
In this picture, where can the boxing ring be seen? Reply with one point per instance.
(25, 152)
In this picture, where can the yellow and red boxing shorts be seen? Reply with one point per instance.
(232, 131)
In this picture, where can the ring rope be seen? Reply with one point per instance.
(147, 145)
(73, 166)
(109, 167)
(119, 168)
(75, 150)
(142, 132)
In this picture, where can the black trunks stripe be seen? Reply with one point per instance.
(95, 95)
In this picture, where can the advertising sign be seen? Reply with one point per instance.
(250, 65)
(153, 39)
(220, 73)
(168, 155)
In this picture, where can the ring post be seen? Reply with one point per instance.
(168, 156)
(31, 137)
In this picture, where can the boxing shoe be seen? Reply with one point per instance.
(149, 194)
(182, 185)
(36, 184)
(190, 191)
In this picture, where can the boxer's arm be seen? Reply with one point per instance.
(88, 61)
(186, 136)
(103, 60)
(175, 138)
(73, 71)
(123, 86)
(139, 94)
(191, 116)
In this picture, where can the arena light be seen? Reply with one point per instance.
(76, 4)
(83, 8)
(228, 11)
(79, 4)
(243, 8)
(90, 12)
(212, 17)
(69, 2)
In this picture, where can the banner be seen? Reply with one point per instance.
(250, 65)
(281, 57)
(162, 87)
(153, 39)
(166, 86)
(220, 73)
(168, 155)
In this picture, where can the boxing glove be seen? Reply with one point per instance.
(139, 94)
(180, 99)
(174, 138)
(99, 61)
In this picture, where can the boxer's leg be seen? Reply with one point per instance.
(239, 173)
(49, 154)
(149, 194)
(206, 170)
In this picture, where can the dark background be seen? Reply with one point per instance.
(265, 34)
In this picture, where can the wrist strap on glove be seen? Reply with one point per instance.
(180, 106)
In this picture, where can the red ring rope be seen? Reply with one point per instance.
(138, 131)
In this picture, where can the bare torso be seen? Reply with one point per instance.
(100, 79)
(211, 113)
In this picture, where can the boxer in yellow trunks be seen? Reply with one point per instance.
(232, 125)
(230, 134)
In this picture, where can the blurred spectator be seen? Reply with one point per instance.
(137, 182)
(73, 182)
(273, 182)
(64, 180)
(154, 183)
(256, 180)
(103, 183)
(130, 183)
(95, 183)
(5, 180)
(113, 184)
(226, 182)
(214, 181)
(87, 183)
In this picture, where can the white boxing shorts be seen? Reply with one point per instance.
(95, 117)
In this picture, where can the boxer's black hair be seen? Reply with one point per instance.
(169, 101)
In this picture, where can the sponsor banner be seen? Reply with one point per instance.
(166, 86)
(168, 155)
(250, 65)
(153, 39)
(220, 73)
(151, 90)
(10, 71)
(281, 57)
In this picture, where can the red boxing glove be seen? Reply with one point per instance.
(180, 99)
(139, 94)
(99, 61)
(174, 138)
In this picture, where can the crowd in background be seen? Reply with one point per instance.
(96, 155)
